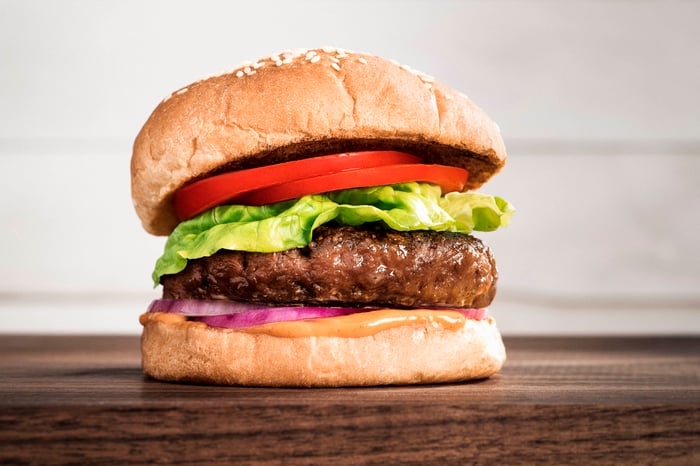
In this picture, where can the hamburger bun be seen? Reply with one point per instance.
(178, 350)
(301, 104)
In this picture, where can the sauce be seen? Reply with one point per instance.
(361, 324)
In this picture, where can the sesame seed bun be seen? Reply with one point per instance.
(175, 349)
(302, 104)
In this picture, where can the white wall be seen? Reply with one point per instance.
(598, 102)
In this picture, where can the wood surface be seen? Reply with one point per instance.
(83, 400)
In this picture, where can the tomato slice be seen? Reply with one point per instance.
(202, 195)
(290, 180)
(449, 179)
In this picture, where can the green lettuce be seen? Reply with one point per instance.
(288, 225)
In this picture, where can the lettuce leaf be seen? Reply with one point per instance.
(290, 224)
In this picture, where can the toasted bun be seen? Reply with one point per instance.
(174, 349)
(301, 104)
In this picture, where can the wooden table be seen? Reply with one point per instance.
(83, 400)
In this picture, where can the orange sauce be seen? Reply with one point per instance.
(361, 324)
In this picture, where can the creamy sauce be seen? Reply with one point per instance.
(361, 324)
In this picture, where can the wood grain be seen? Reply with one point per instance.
(78, 400)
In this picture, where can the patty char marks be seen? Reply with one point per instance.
(350, 266)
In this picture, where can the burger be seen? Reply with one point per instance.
(320, 208)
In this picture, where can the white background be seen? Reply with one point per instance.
(598, 102)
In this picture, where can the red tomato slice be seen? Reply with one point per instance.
(220, 189)
(449, 179)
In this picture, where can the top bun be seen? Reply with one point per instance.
(302, 104)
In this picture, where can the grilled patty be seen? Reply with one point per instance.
(349, 266)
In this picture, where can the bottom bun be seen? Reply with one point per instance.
(175, 349)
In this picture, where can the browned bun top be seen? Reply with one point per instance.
(301, 104)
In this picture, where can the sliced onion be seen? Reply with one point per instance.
(272, 315)
(474, 314)
(197, 307)
(233, 314)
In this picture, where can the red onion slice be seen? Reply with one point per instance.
(197, 307)
(474, 314)
(232, 314)
(273, 315)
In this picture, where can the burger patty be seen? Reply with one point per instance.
(350, 266)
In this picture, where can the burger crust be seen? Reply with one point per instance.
(298, 105)
(178, 350)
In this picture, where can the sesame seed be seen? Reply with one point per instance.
(310, 54)
(239, 74)
(275, 58)
(335, 66)
(259, 64)
(362, 60)
(329, 49)
(287, 60)
(334, 60)
(296, 53)
(341, 54)
(315, 58)
(181, 91)
(278, 63)
(247, 69)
